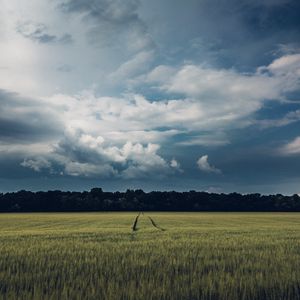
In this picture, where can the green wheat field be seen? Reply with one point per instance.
(187, 256)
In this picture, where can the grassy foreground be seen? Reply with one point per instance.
(197, 256)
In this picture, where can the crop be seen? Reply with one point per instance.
(195, 256)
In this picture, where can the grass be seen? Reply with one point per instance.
(197, 256)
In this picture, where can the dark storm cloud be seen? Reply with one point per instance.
(21, 130)
(243, 34)
(38, 32)
(71, 148)
(110, 20)
(24, 120)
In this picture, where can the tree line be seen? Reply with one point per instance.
(137, 200)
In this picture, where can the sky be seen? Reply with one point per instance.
(159, 95)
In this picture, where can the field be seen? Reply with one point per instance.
(190, 256)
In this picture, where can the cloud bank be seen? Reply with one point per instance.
(110, 136)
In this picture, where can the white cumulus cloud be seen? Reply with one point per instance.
(291, 148)
(205, 166)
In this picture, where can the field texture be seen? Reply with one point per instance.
(190, 256)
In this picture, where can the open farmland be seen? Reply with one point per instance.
(189, 256)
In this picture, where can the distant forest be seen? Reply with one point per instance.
(138, 200)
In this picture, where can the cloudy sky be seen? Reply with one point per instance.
(159, 95)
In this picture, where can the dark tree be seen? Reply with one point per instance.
(138, 200)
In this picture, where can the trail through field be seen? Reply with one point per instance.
(153, 223)
(134, 226)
